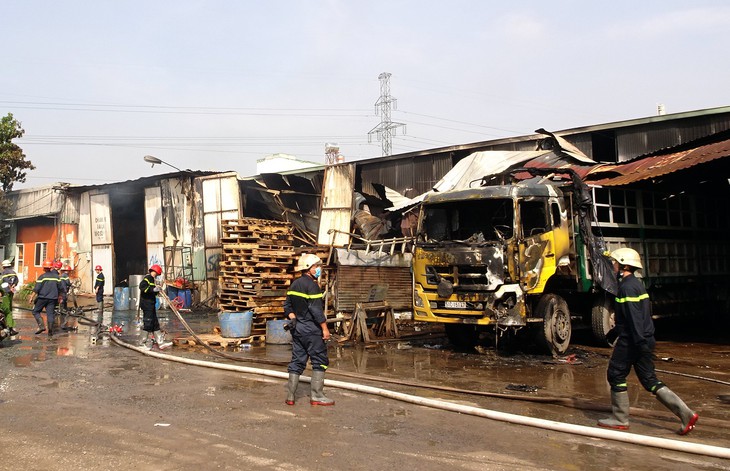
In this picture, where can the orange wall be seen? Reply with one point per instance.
(29, 233)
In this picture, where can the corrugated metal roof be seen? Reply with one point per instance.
(479, 164)
(35, 202)
(654, 166)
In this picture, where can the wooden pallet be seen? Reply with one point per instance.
(256, 267)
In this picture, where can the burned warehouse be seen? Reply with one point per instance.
(659, 185)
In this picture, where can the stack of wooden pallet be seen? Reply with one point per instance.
(256, 268)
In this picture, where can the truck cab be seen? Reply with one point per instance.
(495, 256)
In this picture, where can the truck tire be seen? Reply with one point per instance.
(463, 337)
(602, 318)
(554, 332)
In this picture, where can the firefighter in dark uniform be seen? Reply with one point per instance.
(8, 284)
(147, 299)
(99, 288)
(65, 288)
(634, 337)
(46, 292)
(308, 326)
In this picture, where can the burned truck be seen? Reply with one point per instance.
(513, 254)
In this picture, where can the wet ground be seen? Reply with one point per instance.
(78, 401)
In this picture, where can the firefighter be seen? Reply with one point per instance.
(99, 288)
(45, 293)
(634, 345)
(8, 284)
(147, 299)
(65, 288)
(308, 327)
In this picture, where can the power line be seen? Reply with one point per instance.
(460, 122)
(224, 108)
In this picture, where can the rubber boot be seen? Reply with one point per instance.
(160, 340)
(291, 388)
(146, 342)
(318, 397)
(41, 326)
(672, 402)
(620, 418)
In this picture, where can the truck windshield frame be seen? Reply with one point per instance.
(468, 220)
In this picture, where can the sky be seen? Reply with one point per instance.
(217, 85)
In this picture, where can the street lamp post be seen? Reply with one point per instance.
(151, 159)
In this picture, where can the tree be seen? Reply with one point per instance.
(13, 163)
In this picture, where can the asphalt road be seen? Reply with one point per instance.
(68, 404)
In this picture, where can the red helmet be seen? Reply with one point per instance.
(47, 263)
(66, 268)
(157, 269)
(57, 264)
(98, 267)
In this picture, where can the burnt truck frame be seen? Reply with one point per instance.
(524, 250)
(512, 254)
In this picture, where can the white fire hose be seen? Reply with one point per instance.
(593, 432)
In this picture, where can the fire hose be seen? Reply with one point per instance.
(594, 432)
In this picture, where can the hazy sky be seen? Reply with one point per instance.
(217, 85)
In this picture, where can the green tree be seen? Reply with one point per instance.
(13, 163)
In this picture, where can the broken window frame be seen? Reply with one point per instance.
(466, 219)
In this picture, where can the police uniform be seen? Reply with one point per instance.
(304, 299)
(47, 288)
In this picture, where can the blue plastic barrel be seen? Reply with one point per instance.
(235, 324)
(275, 333)
(121, 298)
(187, 297)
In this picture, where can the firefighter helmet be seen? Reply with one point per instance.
(7, 263)
(48, 264)
(98, 267)
(307, 261)
(66, 268)
(627, 256)
(156, 268)
(57, 264)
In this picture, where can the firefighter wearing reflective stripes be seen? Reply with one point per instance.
(634, 333)
(66, 286)
(8, 283)
(99, 288)
(46, 292)
(308, 326)
(635, 343)
(147, 302)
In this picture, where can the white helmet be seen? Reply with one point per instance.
(7, 263)
(627, 256)
(307, 261)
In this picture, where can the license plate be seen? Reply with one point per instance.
(455, 304)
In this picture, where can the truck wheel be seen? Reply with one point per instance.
(602, 318)
(554, 333)
(462, 337)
